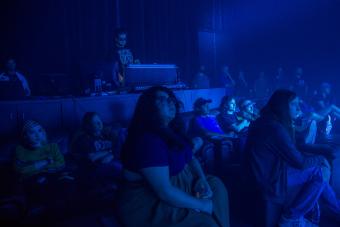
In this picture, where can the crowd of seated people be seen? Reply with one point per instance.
(162, 168)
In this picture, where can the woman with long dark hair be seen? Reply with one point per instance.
(164, 184)
(282, 173)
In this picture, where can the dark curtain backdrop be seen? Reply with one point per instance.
(257, 35)
(162, 31)
(71, 36)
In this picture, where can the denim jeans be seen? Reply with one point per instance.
(305, 187)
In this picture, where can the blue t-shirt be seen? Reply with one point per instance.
(150, 150)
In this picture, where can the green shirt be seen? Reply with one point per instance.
(26, 159)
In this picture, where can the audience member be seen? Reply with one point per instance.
(325, 103)
(300, 180)
(299, 84)
(204, 124)
(160, 172)
(261, 86)
(93, 148)
(242, 85)
(248, 110)
(226, 80)
(228, 119)
(280, 80)
(201, 80)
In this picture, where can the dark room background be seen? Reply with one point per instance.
(67, 38)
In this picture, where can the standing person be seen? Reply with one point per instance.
(160, 172)
(282, 173)
(226, 80)
(122, 57)
(299, 84)
(242, 85)
(280, 80)
(201, 80)
(261, 86)
(14, 83)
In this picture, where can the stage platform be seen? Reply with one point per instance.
(62, 114)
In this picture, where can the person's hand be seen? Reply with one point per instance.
(329, 125)
(207, 206)
(325, 163)
(246, 123)
(203, 190)
(197, 143)
(107, 159)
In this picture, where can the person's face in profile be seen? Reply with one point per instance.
(294, 108)
(96, 125)
(231, 106)
(121, 40)
(250, 109)
(36, 136)
(165, 106)
(11, 65)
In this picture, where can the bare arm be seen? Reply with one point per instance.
(240, 126)
(197, 168)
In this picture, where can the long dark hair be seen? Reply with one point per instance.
(86, 124)
(224, 101)
(278, 108)
(146, 119)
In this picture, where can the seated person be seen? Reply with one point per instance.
(93, 149)
(13, 84)
(40, 166)
(247, 111)
(227, 118)
(325, 103)
(160, 172)
(282, 174)
(218, 143)
(204, 124)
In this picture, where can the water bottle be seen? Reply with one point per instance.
(329, 126)
(97, 84)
